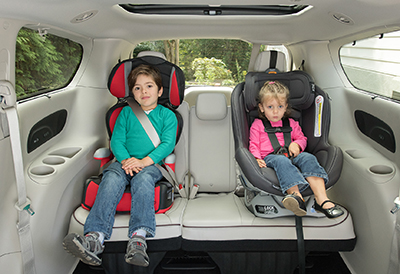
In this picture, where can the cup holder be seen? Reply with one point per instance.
(381, 170)
(52, 161)
(67, 152)
(42, 170)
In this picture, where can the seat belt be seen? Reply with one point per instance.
(23, 205)
(394, 259)
(167, 172)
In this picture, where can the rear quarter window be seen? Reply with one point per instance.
(373, 64)
(44, 62)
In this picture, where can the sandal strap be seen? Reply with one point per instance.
(327, 201)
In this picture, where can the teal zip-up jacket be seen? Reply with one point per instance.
(129, 139)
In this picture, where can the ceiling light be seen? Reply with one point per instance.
(84, 16)
(344, 19)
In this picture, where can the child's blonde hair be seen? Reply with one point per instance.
(275, 90)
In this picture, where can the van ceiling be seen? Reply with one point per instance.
(316, 21)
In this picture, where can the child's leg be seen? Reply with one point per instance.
(101, 218)
(317, 185)
(142, 207)
(288, 175)
(112, 187)
(142, 219)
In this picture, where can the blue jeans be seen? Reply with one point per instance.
(111, 189)
(292, 173)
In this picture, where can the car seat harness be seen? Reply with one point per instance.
(286, 129)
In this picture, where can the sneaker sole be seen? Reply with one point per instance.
(137, 259)
(292, 204)
(73, 246)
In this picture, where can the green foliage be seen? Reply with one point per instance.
(209, 70)
(235, 54)
(44, 63)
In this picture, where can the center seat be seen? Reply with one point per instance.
(217, 220)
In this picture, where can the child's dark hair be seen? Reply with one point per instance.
(276, 90)
(147, 70)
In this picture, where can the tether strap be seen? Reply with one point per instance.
(300, 245)
(23, 204)
(273, 59)
(271, 131)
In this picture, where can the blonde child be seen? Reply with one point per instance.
(297, 170)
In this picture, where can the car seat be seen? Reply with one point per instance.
(311, 107)
(173, 86)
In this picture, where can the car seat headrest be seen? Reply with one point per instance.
(173, 79)
(211, 106)
(300, 84)
(151, 53)
(270, 60)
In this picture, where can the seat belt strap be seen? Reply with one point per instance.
(23, 204)
(394, 267)
(145, 121)
(167, 172)
(271, 131)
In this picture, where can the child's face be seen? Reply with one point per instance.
(146, 92)
(273, 109)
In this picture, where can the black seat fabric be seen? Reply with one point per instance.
(303, 93)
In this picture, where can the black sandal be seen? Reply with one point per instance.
(332, 212)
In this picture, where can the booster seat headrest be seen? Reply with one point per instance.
(173, 79)
(300, 84)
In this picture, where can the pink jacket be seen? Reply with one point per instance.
(260, 145)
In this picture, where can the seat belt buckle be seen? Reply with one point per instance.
(26, 206)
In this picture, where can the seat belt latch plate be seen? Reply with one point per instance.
(26, 206)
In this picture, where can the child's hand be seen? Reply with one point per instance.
(261, 163)
(294, 149)
(132, 165)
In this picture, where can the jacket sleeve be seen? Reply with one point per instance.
(254, 142)
(298, 135)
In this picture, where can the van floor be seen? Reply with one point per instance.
(316, 263)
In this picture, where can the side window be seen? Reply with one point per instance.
(373, 64)
(44, 62)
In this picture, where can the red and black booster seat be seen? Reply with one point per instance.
(173, 81)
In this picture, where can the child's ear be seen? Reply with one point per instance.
(160, 92)
(261, 107)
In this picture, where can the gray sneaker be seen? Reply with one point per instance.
(85, 248)
(136, 251)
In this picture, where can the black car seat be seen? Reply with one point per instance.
(311, 107)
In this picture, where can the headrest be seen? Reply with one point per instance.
(300, 84)
(211, 106)
(271, 59)
(173, 79)
(151, 53)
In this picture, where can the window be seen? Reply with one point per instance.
(373, 64)
(213, 62)
(44, 62)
